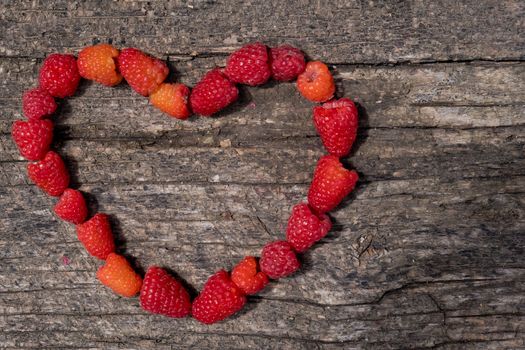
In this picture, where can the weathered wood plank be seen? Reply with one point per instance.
(432, 131)
(433, 95)
(378, 323)
(368, 235)
(448, 154)
(339, 32)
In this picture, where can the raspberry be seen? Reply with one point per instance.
(330, 184)
(142, 72)
(163, 294)
(247, 278)
(33, 137)
(59, 75)
(37, 103)
(50, 174)
(249, 65)
(172, 99)
(278, 260)
(98, 63)
(336, 123)
(219, 298)
(118, 275)
(287, 62)
(316, 82)
(71, 207)
(213, 93)
(306, 227)
(96, 236)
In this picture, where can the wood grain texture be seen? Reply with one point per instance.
(428, 253)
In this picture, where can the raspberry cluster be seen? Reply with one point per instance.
(254, 64)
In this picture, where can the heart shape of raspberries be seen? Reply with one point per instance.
(254, 64)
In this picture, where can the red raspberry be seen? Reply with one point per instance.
(316, 82)
(220, 298)
(331, 183)
(336, 123)
(96, 236)
(33, 137)
(59, 75)
(287, 62)
(50, 174)
(249, 65)
(172, 99)
(71, 207)
(163, 294)
(213, 93)
(118, 275)
(278, 260)
(306, 227)
(142, 72)
(37, 103)
(98, 63)
(247, 278)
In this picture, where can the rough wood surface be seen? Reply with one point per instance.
(429, 251)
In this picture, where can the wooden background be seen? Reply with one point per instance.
(429, 251)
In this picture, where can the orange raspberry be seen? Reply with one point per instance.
(118, 275)
(172, 99)
(98, 63)
(142, 72)
(247, 278)
(316, 82)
